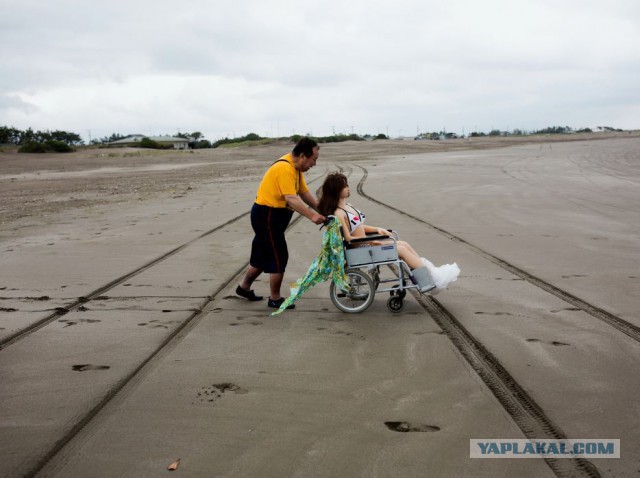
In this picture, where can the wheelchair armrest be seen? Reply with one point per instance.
(373, 237)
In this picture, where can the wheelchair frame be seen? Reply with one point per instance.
(364, 284)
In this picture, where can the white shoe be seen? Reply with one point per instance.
(443, 275)
(427, 263)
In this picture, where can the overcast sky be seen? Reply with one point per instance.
(228, 68)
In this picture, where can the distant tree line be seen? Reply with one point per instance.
(251, 137)
(39, 141)
(148, 143)
(64, 141)
(196, 140)
(436, 135)
(108, 139)
(337, 138)
(547, 130)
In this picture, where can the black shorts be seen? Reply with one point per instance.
(269, 248)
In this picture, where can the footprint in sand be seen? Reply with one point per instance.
(88, 366)
(406, 427)
(156, 324)
(251, 322)
(493, 313)
(340, 332)
(331, 319)
(215, 391)
(69, 322)
(554, 342)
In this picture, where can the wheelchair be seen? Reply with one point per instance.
(364, 268)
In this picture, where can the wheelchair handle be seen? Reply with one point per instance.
(328, 220)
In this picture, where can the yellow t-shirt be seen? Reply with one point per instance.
(281, 179)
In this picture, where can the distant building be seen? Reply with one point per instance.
(134, 140)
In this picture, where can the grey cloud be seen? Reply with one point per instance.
(8, 102)
(495, 62)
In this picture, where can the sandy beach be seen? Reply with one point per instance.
(124, 348)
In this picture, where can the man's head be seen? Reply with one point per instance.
(306, 153)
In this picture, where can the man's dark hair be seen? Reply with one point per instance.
(304, 146)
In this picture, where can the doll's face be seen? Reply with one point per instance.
(345, 193)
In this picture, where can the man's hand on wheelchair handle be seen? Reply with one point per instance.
(318, 219)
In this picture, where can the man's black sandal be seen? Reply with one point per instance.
(248, 294)
(275, 304)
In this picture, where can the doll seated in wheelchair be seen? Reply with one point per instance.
(368, 247)
(364, 258)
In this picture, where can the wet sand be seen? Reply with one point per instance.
(314, 392)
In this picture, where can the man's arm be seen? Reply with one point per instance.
(310, 199)
(297, 204)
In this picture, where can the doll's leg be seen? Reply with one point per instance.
(408, 255)
(406, 245)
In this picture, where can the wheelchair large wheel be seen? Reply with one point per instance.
(359, 296)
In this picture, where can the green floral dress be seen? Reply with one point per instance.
(329, 264)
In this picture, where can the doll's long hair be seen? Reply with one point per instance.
(332, 186)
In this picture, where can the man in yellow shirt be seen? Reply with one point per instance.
(282, 191)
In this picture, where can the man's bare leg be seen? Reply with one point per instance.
(252, 274)
(275, 281)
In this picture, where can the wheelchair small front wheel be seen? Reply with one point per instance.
(358, 297)
(395, 304)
